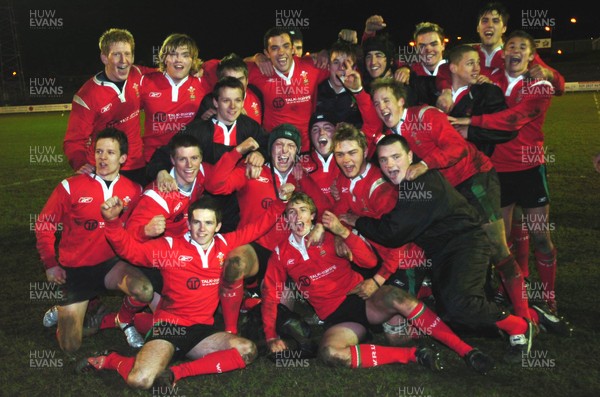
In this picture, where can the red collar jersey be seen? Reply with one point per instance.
(255, 196)
(98, 105)
(421, 70)
(321, 276)
(191, 275)
(74, 209)
(168, 107)
(289, 99)
(323, 171)
(528, 102)
(172, 205)
(433, 139)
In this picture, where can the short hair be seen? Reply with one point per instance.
(391, 139)
(114, 35)
(428, 27)
(117, 135)
(398, 89)
(494, 6)
(523, 35)
(456, 54)
(205, 203)
(231, 62)
(171, 43)
(299, 197)
(183, 140)
(273, 32)
(348, 132)
(353, 51)
(227, 82)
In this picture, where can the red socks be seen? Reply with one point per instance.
(231, 301)
(428, 322)
(519, 246)
(121, 364)
(366, 356)
(513, 325)
(514, 285)
(546, 267)
(143, 322)
(213, 363)
(128, 309)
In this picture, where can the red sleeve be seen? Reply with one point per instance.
(147, 208)
(210, 72)
(226, 177)
(273, 283)
(135, 252)
(372, 125)
(516, 117)
(79, 132)
(558, 81)
(452, 146)
(252, 231)
(48, 222)
(443, 79)
(362, 254)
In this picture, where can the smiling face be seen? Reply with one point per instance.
(299, 218)
(203, 226)
(108, 158)
(321, 134)
(491, 27)
(186, 163)
(283, 154)
(466, 71)
(118, 61)
(350, 157)
(229, 104)
(388, 107)
(375, 62)
(394, 161)
(178, 63)
(279, 50)
(431, 47)
(517, 55)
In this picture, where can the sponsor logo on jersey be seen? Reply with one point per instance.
(304, 281)
(262, 179)
(106, 108)
(178, 206)
(90, 224)
(155, 94)
(266, 203)
(290, 262)
(185, 258)
(85, 200)
(278, 102)
(193, 283)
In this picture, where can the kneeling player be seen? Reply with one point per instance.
(328, 282)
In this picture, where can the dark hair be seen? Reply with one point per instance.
(494, 6)
(393, 138)
(398, 89)
(353, 51)
(348, 132)
(456, 54)
(273, 32)
(428, 27)
(227, 82)
(117, 135)
(205, 203)
(523, 35)
(183, 140)
(231, 62)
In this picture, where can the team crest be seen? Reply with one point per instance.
(192, 92)
(136, 88)
(221, 258)
(254, 107)
(126, 202)
(304, 76)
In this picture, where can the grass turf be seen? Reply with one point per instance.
(32, 364)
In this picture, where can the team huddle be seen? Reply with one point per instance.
(383, 194)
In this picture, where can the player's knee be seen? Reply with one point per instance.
(335, 357)
(233, 269)
(70, 345)
(394, 296)
(139, 380)
(247, 350)
(142, 290)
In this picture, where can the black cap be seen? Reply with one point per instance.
(296, 34)
(322, 116)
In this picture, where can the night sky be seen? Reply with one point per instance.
(70, 47)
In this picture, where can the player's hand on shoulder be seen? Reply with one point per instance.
(285, 191)
(333, 224)
(445, 102)
(86, 169)
(165, 182)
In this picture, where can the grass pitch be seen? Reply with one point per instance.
(33, 365)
